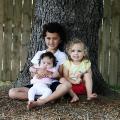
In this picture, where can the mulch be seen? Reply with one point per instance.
(101, 109)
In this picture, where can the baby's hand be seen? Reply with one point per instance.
(50, 75)
(38, 76)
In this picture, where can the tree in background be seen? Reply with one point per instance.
(81, 18)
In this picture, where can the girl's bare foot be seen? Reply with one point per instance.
(92, 96)
(74, 99)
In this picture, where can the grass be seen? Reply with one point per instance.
(116, 88)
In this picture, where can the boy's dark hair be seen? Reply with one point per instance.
(49, 55)
(55, 27)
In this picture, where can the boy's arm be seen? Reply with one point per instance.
(33, 70)
(41, 73)
(60, 70)
(55, 74)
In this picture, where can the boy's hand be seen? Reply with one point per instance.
(43, 73)
(32, 70)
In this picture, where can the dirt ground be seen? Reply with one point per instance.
(101, 109)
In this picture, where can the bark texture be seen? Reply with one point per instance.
(81, 18)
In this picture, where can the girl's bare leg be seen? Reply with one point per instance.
(19, 93)
(75, 98)
(89, 85)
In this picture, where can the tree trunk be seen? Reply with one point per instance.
(81, 18)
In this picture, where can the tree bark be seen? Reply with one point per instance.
(81, 18)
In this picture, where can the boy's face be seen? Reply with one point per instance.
(52, 40)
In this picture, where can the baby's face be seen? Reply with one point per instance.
(46, 62)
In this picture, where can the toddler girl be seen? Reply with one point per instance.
(78, 69)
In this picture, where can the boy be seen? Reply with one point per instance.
(54, 35)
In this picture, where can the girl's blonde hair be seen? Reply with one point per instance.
(76, 41)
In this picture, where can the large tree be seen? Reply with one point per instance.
(81, 18)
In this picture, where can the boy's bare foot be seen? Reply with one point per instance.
(74, 99)
(30, 105)
(41, 101)
(92, 96)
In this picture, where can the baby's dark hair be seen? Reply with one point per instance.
(49, 55)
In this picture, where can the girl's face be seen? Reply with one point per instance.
(77, 52)
(52, 41)
(46, 62)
